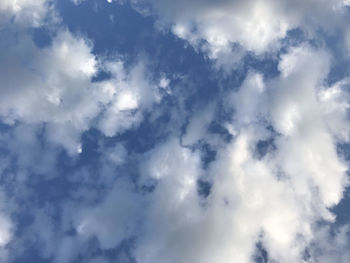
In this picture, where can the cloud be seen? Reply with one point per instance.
(273, 183)
(173, 205)
(54, 86)
(226, 29)
(115, 219)
(49, 85)
(331, 247)
(49, 97)
(7, 228)
(303, 172)
(25, 12)
(252, 198)
(198, 125)
(132, 92)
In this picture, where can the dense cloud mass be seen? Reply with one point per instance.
(174, 131)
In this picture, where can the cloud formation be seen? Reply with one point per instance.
(253, 199)
(227, 29)
(116, 156)
(53, 85)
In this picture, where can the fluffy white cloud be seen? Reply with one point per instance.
(48, 97)
(254, 198)
(174, 205)
(304, 175)
(198, 126)
(331, 247)
(131, 92)
(53, 86)
(7, 228)
(50, 85)
(275, 196)
(115, 219)
(225, 29)
(25, 12)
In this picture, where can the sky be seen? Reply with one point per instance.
(160, 131)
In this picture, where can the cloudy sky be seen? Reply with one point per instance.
(162, 131)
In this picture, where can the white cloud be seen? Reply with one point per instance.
(126, 101)
(253, 199)
(131, 93)
(7, 228)
(174, 204)
(276, 198)
(53, 86)
(113, 220)
(226, 29)
(50, 85)
(331, 247)
(48, 98)
(198, 125)
(25, 12)
(312, 176)
(5, 231)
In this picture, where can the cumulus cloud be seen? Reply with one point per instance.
(226, 29)
(331, 247)
(25, 12)
(272, 183)
(47, 85)
(7, 228)
(304, 162)
(132, 92)
(49, 98)
(115, 219)
(198, 125)
(253, 198)
(54, 86)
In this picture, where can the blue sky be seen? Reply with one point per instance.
(158, 131)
